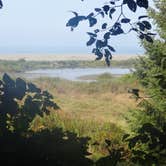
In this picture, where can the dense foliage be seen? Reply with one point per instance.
(149, 146)
(18, 100)
(29, 136)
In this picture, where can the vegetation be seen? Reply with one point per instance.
(114, 21)
(88, 100)
(76, 125)
(87, 125)
(23, 65)
(148, 145)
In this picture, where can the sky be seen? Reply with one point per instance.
(39, 26)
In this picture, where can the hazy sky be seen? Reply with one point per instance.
(39, 26)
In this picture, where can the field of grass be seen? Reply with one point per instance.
(105, 100)
(99, 110)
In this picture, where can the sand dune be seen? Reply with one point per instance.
(52, 57)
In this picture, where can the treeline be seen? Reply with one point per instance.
(23, 65)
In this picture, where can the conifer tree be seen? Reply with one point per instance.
(148, 145)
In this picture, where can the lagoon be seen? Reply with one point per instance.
(75, 74)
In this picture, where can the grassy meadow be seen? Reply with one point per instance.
(106, 99)
(99, 110)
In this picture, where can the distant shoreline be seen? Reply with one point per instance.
(56, 57)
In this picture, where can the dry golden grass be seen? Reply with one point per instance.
(107, 107)
(93, 101)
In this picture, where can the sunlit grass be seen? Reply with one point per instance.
(106, 100)
(97, 110)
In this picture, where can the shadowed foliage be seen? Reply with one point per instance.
(148, 143)
(47, 147)
(19, 145)
(21, 101)
(153, 139)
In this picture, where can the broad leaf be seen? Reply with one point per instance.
(143, 3)
(91, 41)
(132, 5)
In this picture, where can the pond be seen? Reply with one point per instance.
(75, 74)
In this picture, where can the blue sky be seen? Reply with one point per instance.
(38, 26)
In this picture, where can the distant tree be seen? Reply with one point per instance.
(114, 10)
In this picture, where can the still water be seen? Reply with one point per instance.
(74, 74)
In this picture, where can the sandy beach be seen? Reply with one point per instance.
(56, 57)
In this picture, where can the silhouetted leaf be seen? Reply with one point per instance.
(124, 1)
(112, 2)
(91, 41)
(75, 13)
(98, 53)
(102, 14)
(73, 22)
(143, 3)
(125, 20)
(134, 29)
(148, 38)
(141, 36)
(111, 12)
(111, 48)
(141, 26)
(33, 88)
(153, 34)
(8, 81)
(147, 25)
(144, 16)
(96, 30)
(1, 4)
(90, 15)
(104, 26)
(92, 21)
(116, 30)
(108, 56)
(100, 44)
(131, 4)
(107, 53)
(107, 35)
(20, 88)
(92, 34)
(97, 9)
(106, 8)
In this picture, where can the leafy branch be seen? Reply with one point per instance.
(101, 46)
